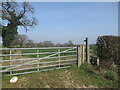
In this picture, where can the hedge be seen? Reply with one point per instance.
(108, 50)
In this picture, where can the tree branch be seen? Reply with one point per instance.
(21, 15)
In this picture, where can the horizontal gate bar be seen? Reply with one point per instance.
(33, 53)
(34, 48)
(39, 63)
(35, 58)
(37, 71)
(37, 67)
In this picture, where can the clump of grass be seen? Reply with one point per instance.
(109, 75)
(87, 67)
(87, 76)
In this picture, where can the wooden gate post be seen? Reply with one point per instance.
(97, 61)
(87, 51)
(78, 56)
(82, 53)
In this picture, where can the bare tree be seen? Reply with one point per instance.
(35, 44)
(46, 44)
(69, 43)
(29, 43)
(16, 14)
(58, 45)
(40, 44)
(20, 40)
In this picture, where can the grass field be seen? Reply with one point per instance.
(72, 77)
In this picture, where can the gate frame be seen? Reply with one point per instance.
(37, 59)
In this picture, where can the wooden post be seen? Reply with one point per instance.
(83, 53)
(59, 57)
(38, 61)
(97, 61)
(78, 56)
(87, 51)
(10, 61)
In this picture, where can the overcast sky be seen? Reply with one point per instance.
(61, 22)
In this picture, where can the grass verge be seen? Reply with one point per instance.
(73, 77)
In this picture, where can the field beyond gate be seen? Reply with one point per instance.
(16, 61)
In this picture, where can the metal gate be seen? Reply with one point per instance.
(16, 61)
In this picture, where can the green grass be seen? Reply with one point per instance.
(94, 50)
(73, 77)
(110, 75)
(88, 77)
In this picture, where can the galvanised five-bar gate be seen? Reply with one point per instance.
(16, 61)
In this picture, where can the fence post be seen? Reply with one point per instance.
(38, 60)
(59, 57)
(10, 61)
(87, 51)
(78, 56)
(83, 53)
(97, 61)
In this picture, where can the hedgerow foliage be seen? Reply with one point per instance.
(108, 50)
